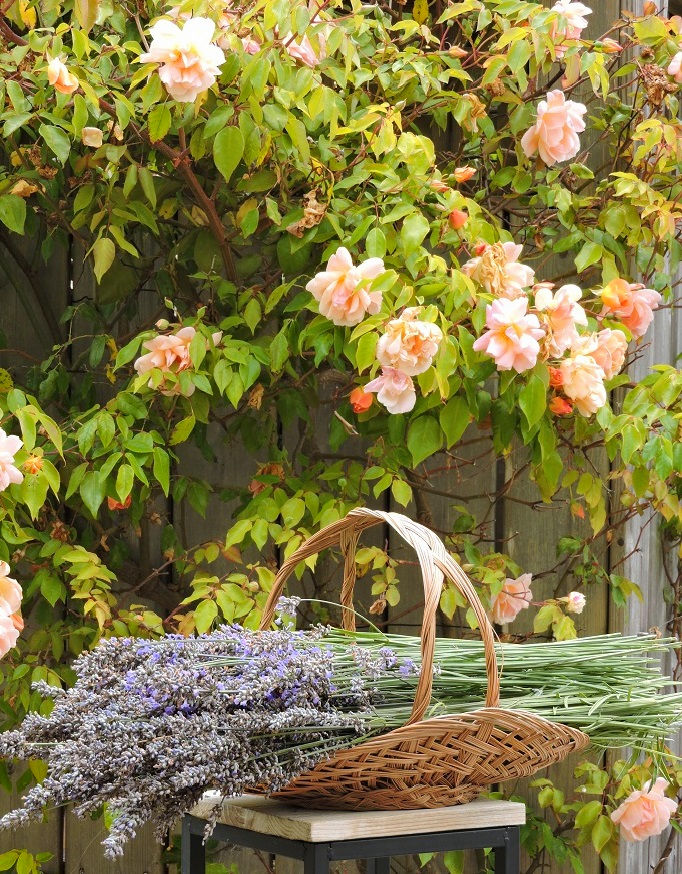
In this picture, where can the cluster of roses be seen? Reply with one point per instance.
(519, 334)
(11, 594)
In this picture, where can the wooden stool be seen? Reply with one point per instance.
(319, 837)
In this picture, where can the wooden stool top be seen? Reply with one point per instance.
(268, 816)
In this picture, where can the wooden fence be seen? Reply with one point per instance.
(467, 476)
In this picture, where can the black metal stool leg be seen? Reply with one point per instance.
(315, 859)
(381, 865)
(192, 851)
(508, 858)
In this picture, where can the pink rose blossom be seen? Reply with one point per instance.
(514, 597)
(583, 383)
(189, 61)
(10, 591)
(342, 289)
(555, 133)
(9, 633)
(9, 446)
(170, 354)
(573, 15)
(512, 338)
(608, 348)
(563, 313)
(251, 46)
(575, 602)
(675, 67)
(408, 344)
(302, 50)
(394, 389)
(498, 270)
(646, 812)
(631, 304)
(58, 75)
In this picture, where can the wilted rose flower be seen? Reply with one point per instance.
(10, 591)
(113, 504)
(408, 344)
(555, 133)
(189, 60)
(33, 464)
(575, 602)
(394, 389)
(563, 313)
(58, 75)
(342, 289)
(646, 812)
(512, 338)
(92, 136)
(514, 597)
(463, 174)
(496, 267)
(573, 24)
(631, 304)
(360, 400)
(583, 383)
(675, 67)
(9, 446)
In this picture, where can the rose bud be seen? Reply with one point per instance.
(463, 174)
(457, 219)
(560, 406)
(360, 400)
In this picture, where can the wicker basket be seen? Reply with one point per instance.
(435, 762)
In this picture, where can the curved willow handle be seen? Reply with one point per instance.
(435, 562)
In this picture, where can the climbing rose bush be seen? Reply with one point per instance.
(424, 230)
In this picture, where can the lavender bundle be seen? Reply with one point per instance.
(149, 726)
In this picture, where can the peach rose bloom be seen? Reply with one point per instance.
(514, 597)
(573, 15)
(394, 389)
(608, 348)
(463, 174)
(9, 446)
(10, 591)
(408, 344)
(189, 60)
(631, 304)
(58, 75)
(9, 634)
(675, 67)
(341, 289)
(554, 136)
(512, 338)
(497, 269)
(563, 313)
(646, 812)
(583, 383)
(360, 400)
(170, 354)
(302, 50)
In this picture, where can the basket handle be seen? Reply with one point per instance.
(434, 560)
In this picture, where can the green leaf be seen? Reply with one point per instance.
(124, 481)
(159, 122)
(533, 399)
(57, 141)
(414, 229)
(183, 429)
(86, 12)
(204, 615)
(588, 814)
(588, 255)
(13, 212)
(299, 138)
(454, 418)
(52, 589)
(33, 492)
(366, 351)
(424, 438)
(228, 148)
(92, 490)
(7, 860)
(104, 252)
(161, 468)
(401, 491)
(546, 616)
(602, 831)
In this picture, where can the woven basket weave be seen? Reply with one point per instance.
(426, 763)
